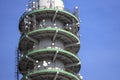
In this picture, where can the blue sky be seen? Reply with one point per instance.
(100, 37)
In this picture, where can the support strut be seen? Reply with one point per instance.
(32, 39)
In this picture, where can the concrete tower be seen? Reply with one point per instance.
(49, 42)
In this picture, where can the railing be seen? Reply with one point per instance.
(71, 29)
(24, 53)
(74, 12)
(60, 70)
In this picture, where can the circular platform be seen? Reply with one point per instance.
(51, 75)
(38, 55)
(62, 15)
(62, 35)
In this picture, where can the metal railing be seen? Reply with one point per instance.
(73, 12)
(60, 70)
(24, 53)
(71, 29)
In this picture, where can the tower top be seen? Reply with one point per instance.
(40, 4)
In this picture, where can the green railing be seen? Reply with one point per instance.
(67, 74)
(31, 52)
(49, 9)
(51, 29)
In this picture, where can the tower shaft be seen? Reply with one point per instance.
(49, 42)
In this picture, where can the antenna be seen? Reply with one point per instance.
(50, 3)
